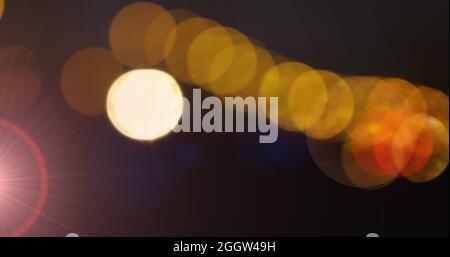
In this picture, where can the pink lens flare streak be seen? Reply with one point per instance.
(38, 207)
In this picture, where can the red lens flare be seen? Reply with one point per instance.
(36, 209)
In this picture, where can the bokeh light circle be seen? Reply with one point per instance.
(129, 32)
(414, 98)
(185, 33)
(408, 148)
(145, 104)
(438, 160)
(277, 82)
(241, 70)
(375, 129)
(308, 98)
(203, 51)
(158, 39)
(339, 108)
(180, 15)
(86, 78)
(326, 154)
(264, 62)
(336, 160)
(437, 104)
(361, 88)
(361, 167)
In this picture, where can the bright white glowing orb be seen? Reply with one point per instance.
(145, 105)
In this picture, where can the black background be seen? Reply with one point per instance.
(406, 39)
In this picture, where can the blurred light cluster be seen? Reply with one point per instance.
(363, 132)
(397, 130)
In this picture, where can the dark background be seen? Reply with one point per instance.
(235, 191)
